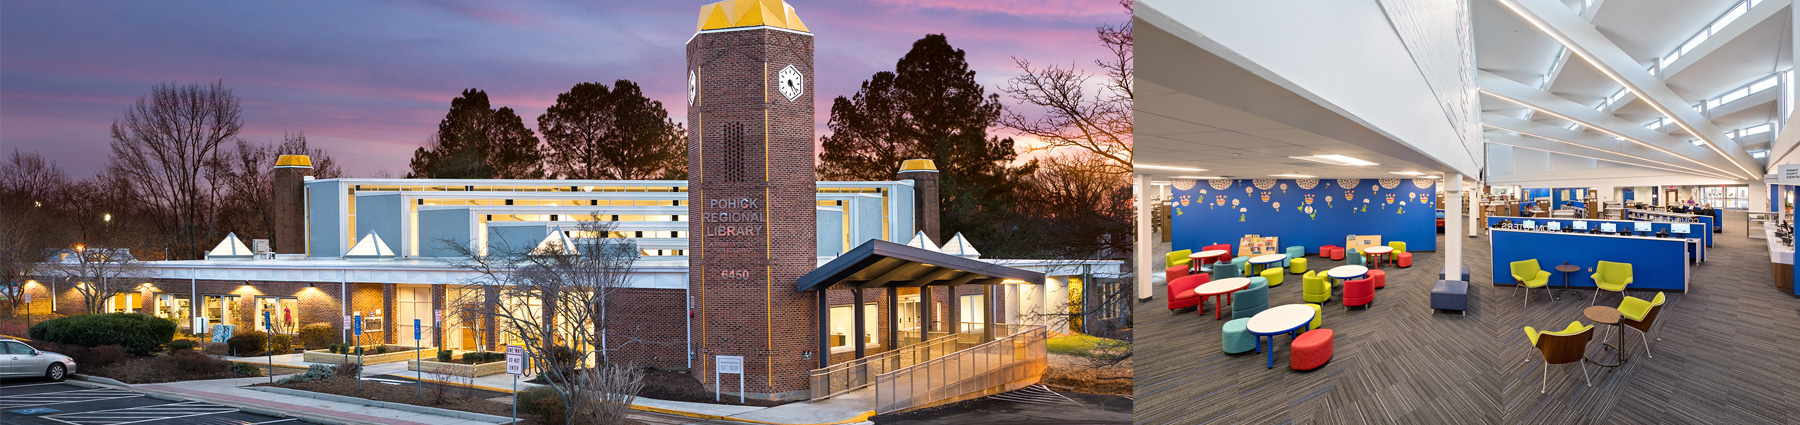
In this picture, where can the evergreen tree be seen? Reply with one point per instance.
(475, 141)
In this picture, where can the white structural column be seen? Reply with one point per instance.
(1556, 20)
(1475, 192)
(1453, 225)
(1759, 196)
(1145, 245)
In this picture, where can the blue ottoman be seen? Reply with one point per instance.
(1450, 295)
(1465, 276)
(1237, 336)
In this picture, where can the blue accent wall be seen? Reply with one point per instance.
(1656, 264)
(1205, 215)
(1697, 228)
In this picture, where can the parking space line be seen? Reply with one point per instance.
(130, 415)
(33, 385)
(64, 397)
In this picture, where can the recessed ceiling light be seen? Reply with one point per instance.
(1199, 177)
(1407, 173)
(1165, 167)
(1157, 183)
(1300, 176)
(1335, 160)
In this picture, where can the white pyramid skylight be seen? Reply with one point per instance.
(231, 247)
(920, 241)
(556, 243)
(959, 246)
(371, 246)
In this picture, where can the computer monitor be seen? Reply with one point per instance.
(1609, 227)
(1554, 225)
(1530, 224)
(1581, 225)
(1640, 226)
(1679, 228)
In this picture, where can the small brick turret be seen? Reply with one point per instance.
(924, 174)
(289, 206)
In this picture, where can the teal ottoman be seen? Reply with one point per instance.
(1237, 337)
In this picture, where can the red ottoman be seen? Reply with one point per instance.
(1380, 278)
(1311, 350)
(1405, 259)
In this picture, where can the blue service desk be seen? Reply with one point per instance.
(1661, 217)
(1697, 240)
(1656, 263)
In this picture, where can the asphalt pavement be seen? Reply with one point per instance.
(44, 402)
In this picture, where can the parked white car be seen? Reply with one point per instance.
(20, 360)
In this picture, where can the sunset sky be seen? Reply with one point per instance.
(369, 81)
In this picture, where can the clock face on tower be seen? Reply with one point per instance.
(790, 82)
(693, 87)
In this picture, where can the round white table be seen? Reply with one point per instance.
(1341, 273)
(1215, 289)
(1264, 260)
(1376, 252)
(1279, 320)
(1195, 259)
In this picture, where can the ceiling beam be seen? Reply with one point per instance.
(1556, 20)
(1562, 54)
(1576, 141)
(932, 276)
(891, 274)
(1560, 147)
(1519, 94)
(1761, 12)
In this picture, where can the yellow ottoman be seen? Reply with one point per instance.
(1273, 274)
(1318, 316)
(1297, 265)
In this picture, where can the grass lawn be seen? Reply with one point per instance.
(1075, 345)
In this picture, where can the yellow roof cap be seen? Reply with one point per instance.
(293, 161)
(749, 13)
(918, 165)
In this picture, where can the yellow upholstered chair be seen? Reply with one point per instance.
(1641, 315)
(1529, 276)
(1610, 276)
(1180, 258)
(1561, 347)
(1315, 288)
(1399, 248)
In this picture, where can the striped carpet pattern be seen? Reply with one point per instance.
(1729, 353)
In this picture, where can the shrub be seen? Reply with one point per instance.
(192, 363)
(182, 345)
(248, 343)
(544, 402)
(317, 372)
(444, 356)
(314, 336)
(102, 356)
(381, 349)
(347, 369)
(216, 348)
(138, 333)
(484, 356)
(281, 343)
(245, 369)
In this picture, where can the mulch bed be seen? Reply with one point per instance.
(679, 386)
(407, 394)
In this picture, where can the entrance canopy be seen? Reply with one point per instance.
(883, 264)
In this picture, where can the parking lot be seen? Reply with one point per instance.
(58, 403)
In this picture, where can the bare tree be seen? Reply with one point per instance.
(98, 273)
(1099, 123)
(553, 299)
(168, 144)
(249, 182)
(609, 389)
(31, 199)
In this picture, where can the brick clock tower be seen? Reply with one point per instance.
(751, 196)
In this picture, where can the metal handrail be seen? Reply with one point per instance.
(855, 373)
(1017, 357)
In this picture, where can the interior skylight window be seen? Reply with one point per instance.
(1758, 129)
(1731, 15)
(1759, 154)
(1765, 84)
(1670, 58)
(1734, 95)
(1693, 42)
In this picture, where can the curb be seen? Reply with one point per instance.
(386, 405)
(100, 380)
(860, 418)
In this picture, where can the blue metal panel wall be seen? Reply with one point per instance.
(1657, 264)
(440, 226)
(380, 212)
(324, 223)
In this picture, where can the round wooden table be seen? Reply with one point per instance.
(1606, 316)
(1566, 269)
(1264, 260)
(1195, 263)
(1220, 291)
(1287, 319)
(1372, 255)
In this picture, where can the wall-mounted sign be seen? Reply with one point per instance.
(1788, 174)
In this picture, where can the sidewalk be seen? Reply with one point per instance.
(230, 392)
(851, 408)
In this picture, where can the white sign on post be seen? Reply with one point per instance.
(728, 364)
(200, 323)
(27, 297)
(515, 360)
(438, 317)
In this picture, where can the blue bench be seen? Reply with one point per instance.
(1450, 295)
